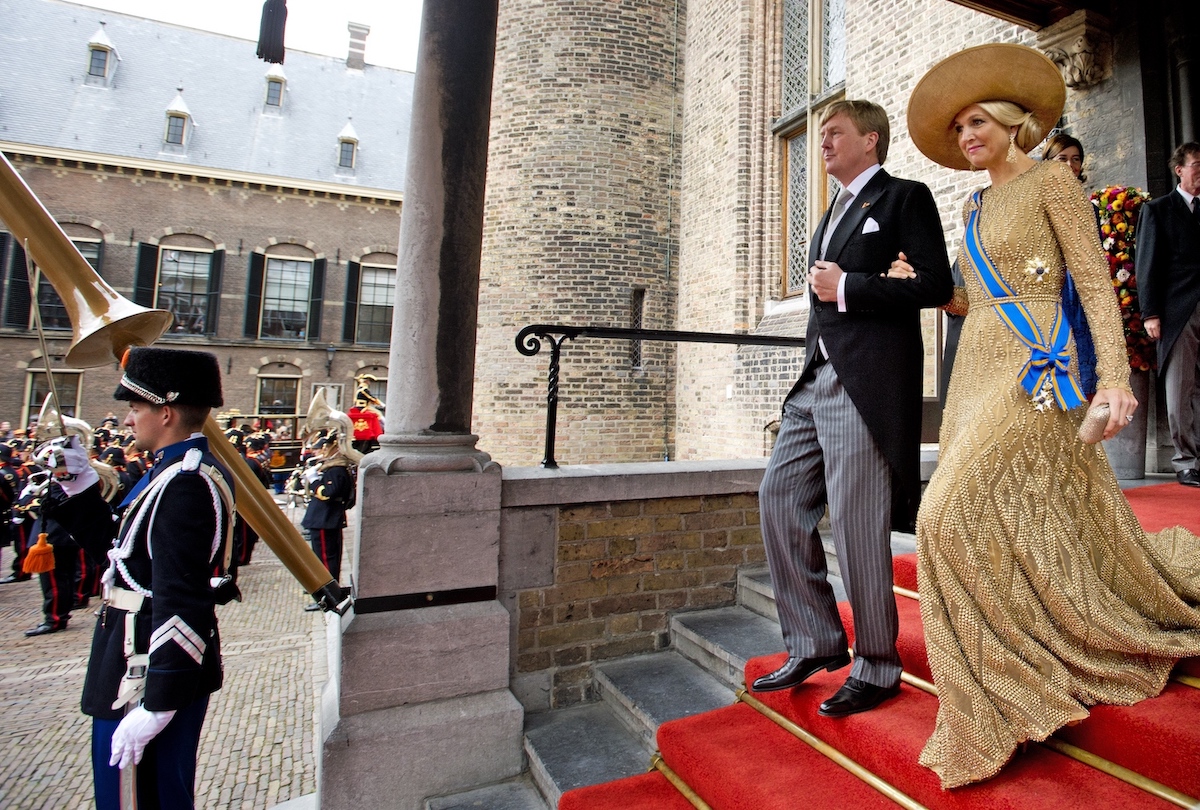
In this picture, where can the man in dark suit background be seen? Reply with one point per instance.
(850, 433)
(1168, 280)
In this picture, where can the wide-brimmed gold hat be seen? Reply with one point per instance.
(997, 72)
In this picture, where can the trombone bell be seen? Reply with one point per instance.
(105, 322)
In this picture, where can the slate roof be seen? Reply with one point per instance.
(45, 100)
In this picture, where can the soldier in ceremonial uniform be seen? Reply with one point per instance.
(10, 490)
(365, 415)
(156, 651)
(333, 493)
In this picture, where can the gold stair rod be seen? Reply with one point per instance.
(822, 747)
(656, 762)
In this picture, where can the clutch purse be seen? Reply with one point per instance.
(1094, 422)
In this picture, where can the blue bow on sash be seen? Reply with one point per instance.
(1048, 368)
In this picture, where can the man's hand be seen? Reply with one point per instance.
(824, 278)
(900, 268)
(1153, 328)
(134, 733)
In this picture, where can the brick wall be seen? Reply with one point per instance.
(593, 562)
(581, 201)
(130, 207)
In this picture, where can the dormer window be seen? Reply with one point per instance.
(347, 149)
(276, 82)
(98, 62)
(102, 59)
(179, 126)
(274, 93)
(176, 124)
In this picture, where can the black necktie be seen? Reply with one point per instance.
(1196, 209)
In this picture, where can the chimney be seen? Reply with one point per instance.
(357, 57)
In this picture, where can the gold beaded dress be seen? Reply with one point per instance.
(1040, 593)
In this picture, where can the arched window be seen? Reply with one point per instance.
(284, 294)
(370, 295)
(18, 313)
(181, 274)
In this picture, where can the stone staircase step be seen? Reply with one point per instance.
(754, 584)
(722, 640)
(578, 746)
(646, 691)
(515, 794)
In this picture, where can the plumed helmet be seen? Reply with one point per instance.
(170, 376)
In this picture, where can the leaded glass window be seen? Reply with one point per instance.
(795, 55)
(833, 43)
(797, 213)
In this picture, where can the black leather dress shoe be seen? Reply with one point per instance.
(15, 578)
(856, 696)
(1189, 478)
(311, 606)
(46, 627)
(796, 671)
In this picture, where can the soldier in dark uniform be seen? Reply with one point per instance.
(332, 494)
(244, 537)
(60, 586)
(162, 583)
(11, 533)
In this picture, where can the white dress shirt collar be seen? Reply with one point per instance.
(856, 185)
(1187, 198)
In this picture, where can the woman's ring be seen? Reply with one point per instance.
(1129, 418)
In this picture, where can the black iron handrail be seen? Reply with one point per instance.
(529, 343)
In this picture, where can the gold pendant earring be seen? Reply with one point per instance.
(1011, 157)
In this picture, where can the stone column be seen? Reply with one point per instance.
(419, 702)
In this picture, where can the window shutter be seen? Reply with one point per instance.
(254, 293)
(353, 271)
(4, 240)
(16, 310)
(316, 297)
(145, 280)
(214, 292)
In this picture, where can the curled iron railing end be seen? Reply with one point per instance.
(529, 339)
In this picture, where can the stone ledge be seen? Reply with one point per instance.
(596, 483)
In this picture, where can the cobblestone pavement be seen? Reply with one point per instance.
(257, 748)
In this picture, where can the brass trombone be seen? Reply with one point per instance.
(105, 324)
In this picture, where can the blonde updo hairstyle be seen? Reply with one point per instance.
(1007, 114)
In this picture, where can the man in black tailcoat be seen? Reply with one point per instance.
(849, 438)
(156, 651)
(1168, 280)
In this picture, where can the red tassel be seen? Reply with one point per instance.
(40, 559)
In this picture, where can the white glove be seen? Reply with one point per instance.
(137, 729)
(312, 475)
(68, 461)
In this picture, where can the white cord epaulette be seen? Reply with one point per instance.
(147, 504)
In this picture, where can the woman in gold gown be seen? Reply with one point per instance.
(1040, 593)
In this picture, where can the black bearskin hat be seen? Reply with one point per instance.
(170, 376)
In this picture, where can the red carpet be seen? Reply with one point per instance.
(1162, 505)
(646, 791)
(738, 759)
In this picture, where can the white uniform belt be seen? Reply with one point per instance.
(121, 599)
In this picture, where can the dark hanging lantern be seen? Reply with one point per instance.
(270, 32)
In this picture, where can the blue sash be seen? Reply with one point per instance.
(1047, 373)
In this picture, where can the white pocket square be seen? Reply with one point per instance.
(870, 226)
